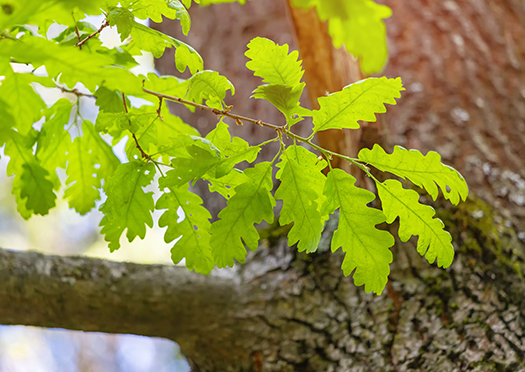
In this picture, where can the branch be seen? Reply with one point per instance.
(83, 41)
(90, 294)
(279, 129)
(226, 112)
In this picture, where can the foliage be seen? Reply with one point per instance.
(164, 152)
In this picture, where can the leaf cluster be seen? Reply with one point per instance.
(164, 156)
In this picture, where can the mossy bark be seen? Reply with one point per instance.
(284, 311)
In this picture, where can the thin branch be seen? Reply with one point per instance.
(75, 91)
(279, 129)
(104, 25)
(215, 111)
(76, 31)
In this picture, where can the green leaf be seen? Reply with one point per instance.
(285, 99)
(194, 245)
(123, 19)
(251, 203)
(366, 247)
(132, 121)
(357, 25)
(169, 85)
(301, 191)
(25, 105)
(226, 185)
(423, 170)
(54, 141)
(199, 162)
(127, 205)
(209, 86)
(159, 134)
(36, 12)
(36, 188)
(106, 160)
(31, 186)
(358, 101)
(416, 219)
(155, 9)
(110, 100)
(82, 182)
(156, 42)
(233, 150)
(73, 65)
(272, 62)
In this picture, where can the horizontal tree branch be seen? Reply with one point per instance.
(90, 294)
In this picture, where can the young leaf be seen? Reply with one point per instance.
(366, 247)
(31, 186)
(416, 219)
(358, 101)
(273, 63)
(285, 98)
(156, 42)
(301, 191)
(251, 203)
(123, 19)
(283, 72)
(424, 171)
(35, 188)
(209, 86)
(83, 185)
(172, 9)
(358, 25)
(127, 205)
(234, 150)
(25, 105)
(226, 185)
(194, 245)
(199, 162)
(159, 134)
(54, 141)
(105, 158)
(110, 100)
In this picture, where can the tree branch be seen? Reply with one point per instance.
(83, 41)
(90, 294)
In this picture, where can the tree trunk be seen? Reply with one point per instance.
(462, 64)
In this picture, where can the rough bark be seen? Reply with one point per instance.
(463, 63)
(288, 312)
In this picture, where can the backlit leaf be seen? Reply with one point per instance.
(301, 189)
(426, 171)
(416, 219)
(358, 101)
(251, 203)
(365, 246)
(127, 205)
(194, 245)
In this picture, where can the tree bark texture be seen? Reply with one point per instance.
(284, 311)
(462, 62)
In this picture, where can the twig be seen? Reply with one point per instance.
(76, 31)
(159, 109)
(215, 111)
(83, 41)
(75, 91)
(142, 153)
(281, 130)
